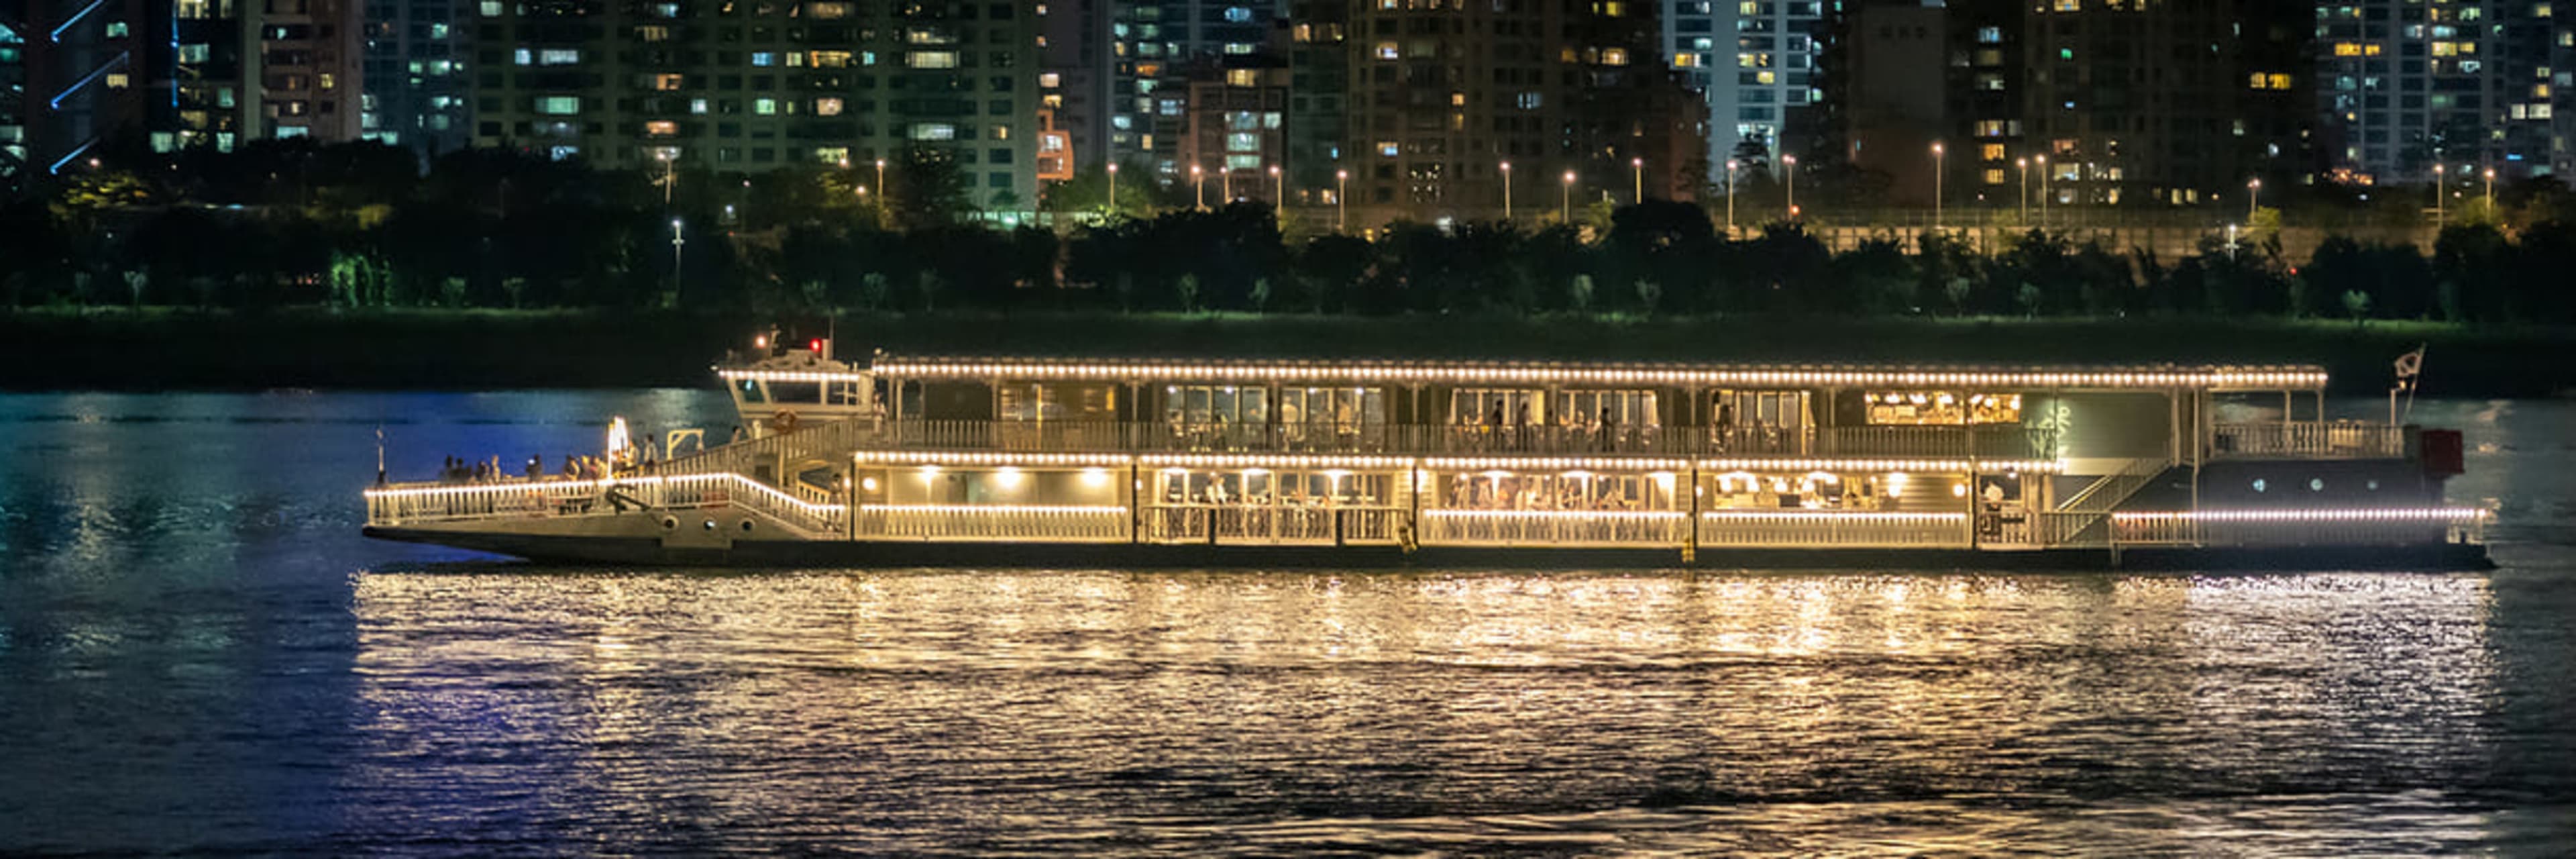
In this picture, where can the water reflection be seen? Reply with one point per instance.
(1265, 712)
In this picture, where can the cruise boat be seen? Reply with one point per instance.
(912, 460)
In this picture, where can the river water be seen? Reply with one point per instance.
(198, 654)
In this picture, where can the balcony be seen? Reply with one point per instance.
(2308, 440)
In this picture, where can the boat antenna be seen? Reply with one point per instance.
(380, 454)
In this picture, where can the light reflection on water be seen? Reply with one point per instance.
(1415, 711)
(198, 653)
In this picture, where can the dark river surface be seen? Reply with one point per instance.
(199, 654)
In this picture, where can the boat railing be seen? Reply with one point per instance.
(1061, 523)
(2308, 440)
(1014, 436)
(533, 499)
(1832, 529)
(1554, 527)
(818, 440)
(1236, 524)
(2289, 528)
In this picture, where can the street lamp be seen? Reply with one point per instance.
(2253, 200)
(1225, 183)
(1731, 165)
(2490, 192)
(881, 176)
(1198, 185)
(2043, 187)
(2024, 165)
(1565, 200)
(1341, 201)
(676, 242)
(1111, 209)
(1637, 167)
(1278, 188)
(1792, 162)
(670, 176)
(1507, 192)
(1937, 162)
(2440, 205)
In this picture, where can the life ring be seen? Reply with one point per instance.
(783, 422)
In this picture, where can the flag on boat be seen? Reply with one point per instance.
(2409, 366)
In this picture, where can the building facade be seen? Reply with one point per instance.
(757, 86)
(1075, 66)
(1757, 63)
(417, 94)
(1442, 95)
(1157, 42)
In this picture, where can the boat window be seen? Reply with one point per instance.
(1621, 408)
(750, 391)
(1044, 401)
(1566, 491)
(1327, 409)
(849, 392)
(796, 393)
(1764, 410)
(1942, 407)
(1215, 405)
(1478, 406)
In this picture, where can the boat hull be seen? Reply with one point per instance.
(646, 549)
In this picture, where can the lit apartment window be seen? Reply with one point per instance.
(827, 107)
(662, 128)
(933, 131)
(930, 59)
(559, 105)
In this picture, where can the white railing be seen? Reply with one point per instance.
(1270, 523)
(2107, 492)
(2309, 439)
(415, 504)
(1088, 524)
(830, 439)
(1995, 441)
(1830, 529)
(1552, 528)
(2258, 528)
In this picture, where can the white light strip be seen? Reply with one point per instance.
(1949, 466)
(996, 459)
(1219, 462)
(583, 488)
(1578, 515)
(1842, 516)
(1552, 464)
(1030, 509)
(791, 376)
(2394, 514)
(1029, 368)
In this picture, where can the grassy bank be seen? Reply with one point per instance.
(153, 349)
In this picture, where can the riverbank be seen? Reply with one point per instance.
(471, 350)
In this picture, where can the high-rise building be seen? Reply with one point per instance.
(1319, 69)
(1443, 94)
(763, 84)
(1891, 94)
(13, 102)
(1155, 41)
(416, 94)
(1232, 128)
(173, 74)
(2109, 103)
(1757, 64)
(2408, 84)
(1075, 54)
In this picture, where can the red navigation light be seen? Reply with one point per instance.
(816, 345)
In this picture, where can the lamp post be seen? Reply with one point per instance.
(881, 186)
(1565, 200)
(670, 177)
(2043, 187)
(1225, 183)
(1111, 209)
(2491, 192)
(1341, 201)
(1731, 165)
(2253, 200)
(2440, 192)
(1792, 162)
(1198, 185)
(1507, 192)
(676, 242)
(1937, 162)
(1637, 171)
(2024, 165)
(1278, 188)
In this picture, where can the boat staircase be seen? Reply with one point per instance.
(768, 459)
(2083, 520)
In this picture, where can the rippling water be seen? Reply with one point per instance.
(197, 654)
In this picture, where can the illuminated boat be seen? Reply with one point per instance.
(916, 460)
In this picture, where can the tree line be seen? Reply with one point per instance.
(363, 226)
